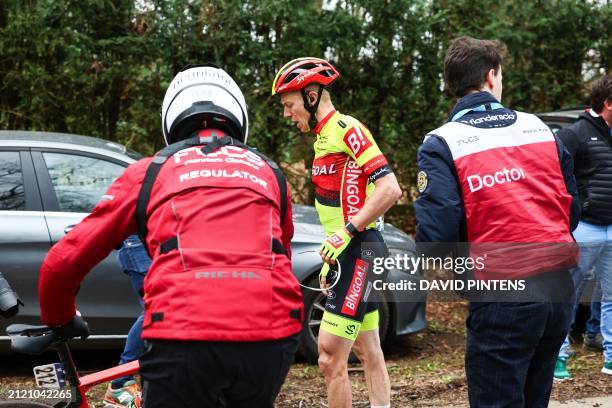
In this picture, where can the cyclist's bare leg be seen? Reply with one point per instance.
(333, 358)
(368, 351)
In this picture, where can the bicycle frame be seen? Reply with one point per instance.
(80, 385)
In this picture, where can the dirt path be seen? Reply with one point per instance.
(426, 370)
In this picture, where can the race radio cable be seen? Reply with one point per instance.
(338, 271)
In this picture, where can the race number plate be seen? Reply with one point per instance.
(50, 376)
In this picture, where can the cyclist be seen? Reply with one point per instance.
(222, 308)
(354, 185)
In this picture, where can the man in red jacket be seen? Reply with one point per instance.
(222, 308)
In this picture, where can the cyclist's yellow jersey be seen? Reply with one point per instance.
(346, 164)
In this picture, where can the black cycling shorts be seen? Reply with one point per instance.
(352, 304)
(202, 374)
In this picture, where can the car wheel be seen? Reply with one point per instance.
(314, 306)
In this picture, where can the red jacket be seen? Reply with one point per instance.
(223, 282)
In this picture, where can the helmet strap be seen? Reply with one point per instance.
(312, 109)
(193, 120)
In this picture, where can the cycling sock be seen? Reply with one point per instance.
(381, 406)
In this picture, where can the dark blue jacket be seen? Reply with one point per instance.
(439, 210)
(589, 142)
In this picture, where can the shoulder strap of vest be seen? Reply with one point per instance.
(147, 185)
(278, 173)
(158, 161)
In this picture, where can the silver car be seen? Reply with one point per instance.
(50, 181)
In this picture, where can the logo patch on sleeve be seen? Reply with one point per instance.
(422, 181)
(357, 141)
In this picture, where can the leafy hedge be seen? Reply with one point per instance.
(100, 67)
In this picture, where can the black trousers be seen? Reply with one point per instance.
(512, 345)
(194, 374)
(511, 352)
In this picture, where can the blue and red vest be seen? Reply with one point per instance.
(517, 207)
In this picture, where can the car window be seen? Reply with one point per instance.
(12, 194)
(80, 181)
(554, 127)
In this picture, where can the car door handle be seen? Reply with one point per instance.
(69, 228)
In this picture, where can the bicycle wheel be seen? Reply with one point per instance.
(23, 404)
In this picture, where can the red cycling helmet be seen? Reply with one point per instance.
(300, 72)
